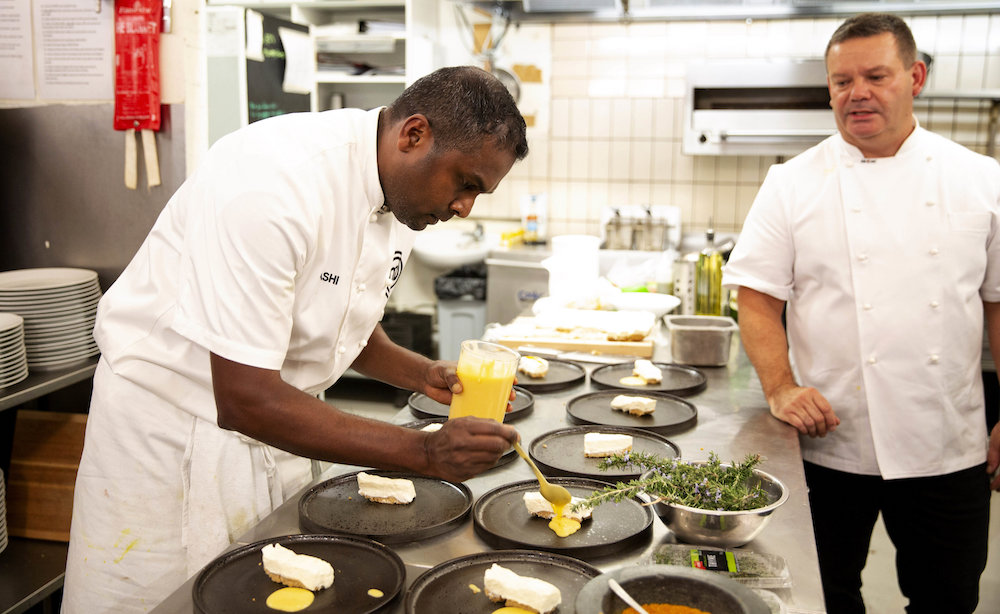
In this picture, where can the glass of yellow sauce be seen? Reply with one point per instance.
(486, 371)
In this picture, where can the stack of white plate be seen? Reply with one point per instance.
(3, 515)
(13, 357)
(59, 306)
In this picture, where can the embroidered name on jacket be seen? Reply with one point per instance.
(394, 272)
(330, 278)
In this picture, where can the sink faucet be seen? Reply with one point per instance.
(477, 234)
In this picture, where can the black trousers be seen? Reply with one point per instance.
(939, 526)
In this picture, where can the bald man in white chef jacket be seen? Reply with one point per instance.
(262, 281)
(883, 242)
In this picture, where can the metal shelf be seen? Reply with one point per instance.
(40, 384)
(30, 571)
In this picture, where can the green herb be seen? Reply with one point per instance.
(707, 486)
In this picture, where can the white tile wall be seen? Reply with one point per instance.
(617, 109)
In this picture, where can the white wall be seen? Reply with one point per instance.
(612, 135)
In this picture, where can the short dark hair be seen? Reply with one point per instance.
(873, 24)
(464, 105)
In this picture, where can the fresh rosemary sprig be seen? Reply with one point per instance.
(708, 486)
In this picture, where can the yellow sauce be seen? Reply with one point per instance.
(485, 392)
(290, 599)
(512, 610)
(562, 525)
(374, 592)
(632, 380)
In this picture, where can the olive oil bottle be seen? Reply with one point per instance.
(708, 279)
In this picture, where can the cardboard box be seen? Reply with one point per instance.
(44, 461)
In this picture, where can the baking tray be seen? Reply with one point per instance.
(447, 587)
(561, 374)
(673, 414)
(422, 406)
(334, 506)
(677, 379)
(235, 582)
(560, 452)
(502, 520)
(505, 458)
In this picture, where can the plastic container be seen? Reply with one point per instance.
(755, 569)
(701, 341)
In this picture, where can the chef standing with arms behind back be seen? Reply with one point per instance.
(262, 281)
(884, 243)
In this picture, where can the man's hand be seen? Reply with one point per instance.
(441, 381)
(466, 447)
(993, 457)
(805, 409)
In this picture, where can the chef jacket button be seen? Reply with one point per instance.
(863, 257)
(872, 360)
(361, 287)
(373, 218)
(867, 306)
(929, 158)
(930, 203)
(935, 359)
(856, 209)
(362, 343)
(850, 163)
(933, 251)
(341, 349)
(935, 304)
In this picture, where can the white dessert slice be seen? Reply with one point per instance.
(533, 366)
(502, 584)
(637, 406)
(291, 569)
(385, 490)
(646, 370)
(596, 445)
(538, 506)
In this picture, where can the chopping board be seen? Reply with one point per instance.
(566, 341)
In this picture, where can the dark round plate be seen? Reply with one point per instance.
(235, 582)
(446, 587)
(334, 506)
(505, 458)
(422, 406)
(560, 452)
(677, 379)
(501, 519)
(562, 374)
(669, 584)
(672, 413)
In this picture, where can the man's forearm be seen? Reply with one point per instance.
(388, 362)
(764, 339)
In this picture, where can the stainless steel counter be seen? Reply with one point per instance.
(733, 421)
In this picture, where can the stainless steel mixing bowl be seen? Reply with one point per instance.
(723, 529)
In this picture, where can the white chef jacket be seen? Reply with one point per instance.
(273, 254)
(884, 264)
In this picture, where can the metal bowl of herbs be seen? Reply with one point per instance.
(702, 502)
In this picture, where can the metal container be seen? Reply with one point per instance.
(721, 528)
(702, 341)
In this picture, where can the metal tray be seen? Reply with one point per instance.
(446, 587)
(677, 379)
(672, 413)
(422, 406)
(501, 519)
(334, 506)
(562, 374)
(560, 452)
(235, 582)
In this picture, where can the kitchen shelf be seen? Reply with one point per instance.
(40, 384)
(30, 571)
